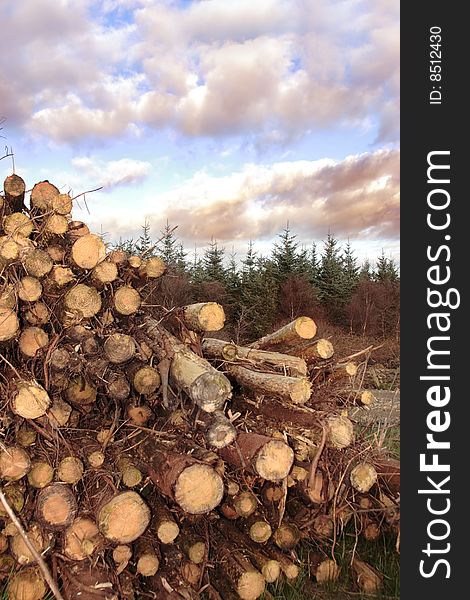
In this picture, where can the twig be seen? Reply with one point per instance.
(370, 348)
(42, 565)
(314, 464)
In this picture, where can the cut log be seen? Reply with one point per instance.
(81, 539)
(123, 518)
(341, 371)
(29, 289)
(327, 571)
(27, 584)
(245, 504)
(88, 251)
(127, 300)
(363, 477)
(195, 486)
(80, 391)
(60, 276)
(144, 378)
(41, 474)
(147, 556)
(17, 225)
(56, 507)
(82, 301)
(219, 430)
(70, 470)
(134, 261)
(208, 388)
(340, 432)
(152, 268)
(14, 463)
(62, 204)
(237, 570)
(105, 272)
(131, 476)
(139, 415)
(38, 314)
(286, 536)
(9, 251)
(119, 348)
(292, 334)
(193, 546)
(294, 389)
(163, 523)
(311, 351)
(30, 400)
(14, 188)
(8, 296)
(37, 263)
(76, 230)
(32, 340)
(56, 225)
(214, 348)
(38, 538)
(57, 253)
(257, 528)
(269, 458)
(118, 257)
(14, 494)
(368, 579)
(204, 316)
(42, 196)
(9, 324)
(118, 388)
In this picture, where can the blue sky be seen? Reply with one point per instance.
(226, 118)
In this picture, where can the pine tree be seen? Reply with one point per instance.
(365, 273)
(144, 245)
(314, 265)
(285, 255)
(350, 268)
(249, 264)
(386, 269)
(213, 263)
(180, 262)
(332, 285)
(167, 246)
(196, 270)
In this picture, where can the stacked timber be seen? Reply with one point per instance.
(141, 456)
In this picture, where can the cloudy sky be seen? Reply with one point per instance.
(226, 117)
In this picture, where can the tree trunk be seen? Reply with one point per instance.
(292, 334)
(207, 387)
(195, 486)
(312, 351)
(269, 458)
(204, 316)
(284, 363)
(294, 389)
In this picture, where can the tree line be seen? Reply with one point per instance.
(260, 292)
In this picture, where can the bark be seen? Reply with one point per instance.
(56, 507)
(214, 348)
(269, 458)
(207, 387)
(196, 487)
(14, 188)
(313, 351)
(293, 389)
(303, 328)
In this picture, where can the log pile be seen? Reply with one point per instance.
(141, 456)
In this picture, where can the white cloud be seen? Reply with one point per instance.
(203, 68)
(112, 173)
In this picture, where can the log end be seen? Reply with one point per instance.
(199, 489)
(274, 460)
(124, 518)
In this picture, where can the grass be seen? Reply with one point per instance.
(381, 554)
